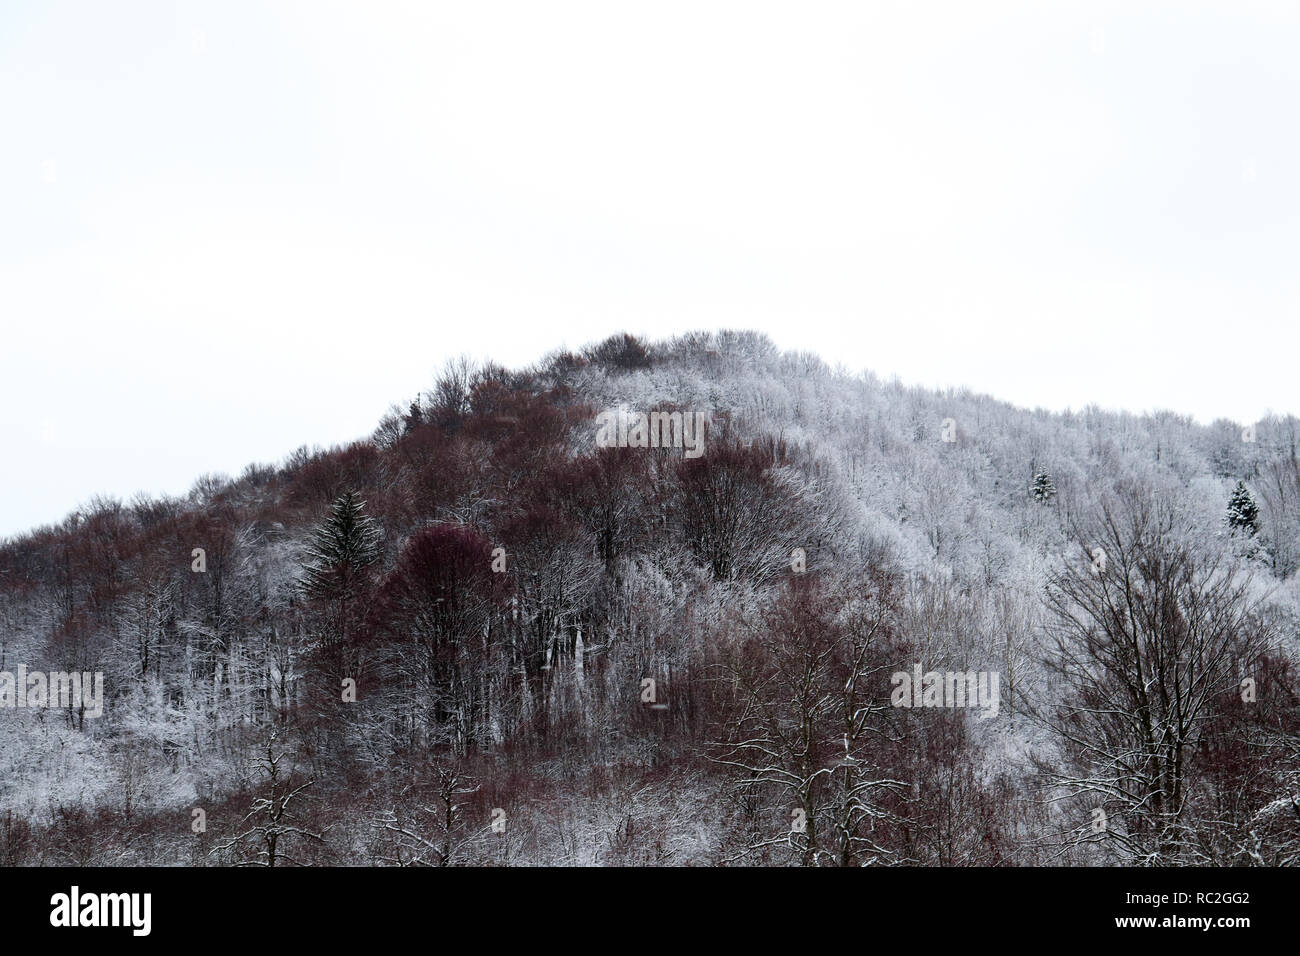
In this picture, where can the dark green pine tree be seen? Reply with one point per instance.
(1242, 510)
(1043, 489)
(343, 548)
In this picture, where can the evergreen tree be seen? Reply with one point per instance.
(1242, 510)
(413, 418)
(1043, 489)
(343, 547)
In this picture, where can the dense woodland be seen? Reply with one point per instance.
(476, 638)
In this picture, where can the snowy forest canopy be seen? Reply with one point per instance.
(480, 637)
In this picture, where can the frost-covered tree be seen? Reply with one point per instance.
(1279, 497)
(434, 833)
(271, 825)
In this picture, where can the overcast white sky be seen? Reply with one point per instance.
(229, 229)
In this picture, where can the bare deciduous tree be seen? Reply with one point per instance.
(807, 703)
(269, 823)
(1145, 632)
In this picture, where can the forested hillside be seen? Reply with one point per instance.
(480, 637)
